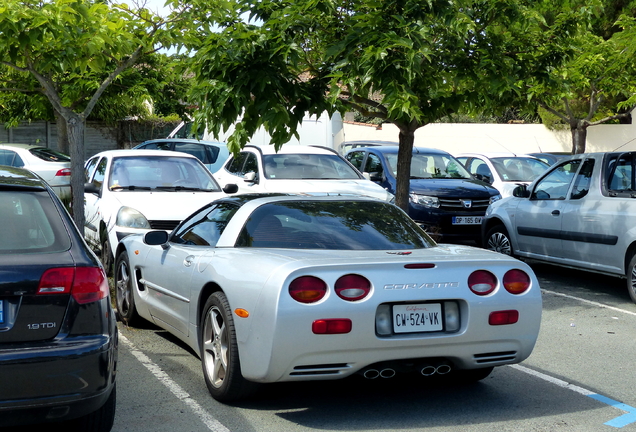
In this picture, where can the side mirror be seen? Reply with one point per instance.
(91, 188)
(230, 188)
(521, 191)
(375, 176)
(484, 178)
(155, 238)
(250, 177)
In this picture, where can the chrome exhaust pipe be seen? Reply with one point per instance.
(371, 374)
(428, 370)
(443, 369)
(387, 373)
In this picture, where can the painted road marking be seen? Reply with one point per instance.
(211, 423)
(630, 412)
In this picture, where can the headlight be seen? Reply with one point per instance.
(495, 198)
(131, 218)
(425, 200)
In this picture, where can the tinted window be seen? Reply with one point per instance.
(332, 225)
(373, 165)
(30, 224)
(49, 155)
(205, 228)
(206, 154)
(236, 165)
(583, 179)
(157, 146)
(356, 159)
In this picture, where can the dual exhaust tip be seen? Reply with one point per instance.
(425, 370)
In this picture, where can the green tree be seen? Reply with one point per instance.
(410, 63)
(74, 50)
(597, 83)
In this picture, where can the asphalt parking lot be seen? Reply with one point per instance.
(579, 378)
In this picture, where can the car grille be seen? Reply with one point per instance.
(456, 204)
(167, 225)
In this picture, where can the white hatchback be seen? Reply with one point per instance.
(133, 191)
(297, 169)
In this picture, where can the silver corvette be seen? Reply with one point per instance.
(271, 288)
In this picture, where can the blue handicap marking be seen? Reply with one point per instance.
(623, 420)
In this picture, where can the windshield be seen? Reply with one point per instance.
(162, 173)
(438, 166)
(308, 166)
(522, 169)
(338, 225)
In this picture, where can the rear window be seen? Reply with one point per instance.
(30, 223)
(337, 225)
(49, 155)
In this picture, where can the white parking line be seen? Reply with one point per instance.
(630, 412)
(211, 423)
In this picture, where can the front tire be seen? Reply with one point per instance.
(630, 273)
(498, 240)
(106, 256)
(219, 352)
(124, 295)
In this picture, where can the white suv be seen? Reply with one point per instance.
(296, 169)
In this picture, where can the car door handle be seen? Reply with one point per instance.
(188, 260)
(556, 212)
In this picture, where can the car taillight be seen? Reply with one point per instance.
(503, 317)
(85, 284)
(352, 287)
(482, 282)
(63, 172)
(516, 281)
(307, 289)
(331, 326)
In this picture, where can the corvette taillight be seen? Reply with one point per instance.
(482, 282)
(63, 172)
(85, 284)
(352, 287)
(307, 289)
(516, 281)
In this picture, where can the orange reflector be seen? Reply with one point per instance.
(503, 317)
(331, 326)
(136, 252)
(241, 313)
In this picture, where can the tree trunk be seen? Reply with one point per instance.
(579, 137)
(403, 178)
(75, 127)
(62, 134)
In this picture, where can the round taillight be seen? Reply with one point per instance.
(482, 282)
(352, 287)
(516, 281)
(307, 289)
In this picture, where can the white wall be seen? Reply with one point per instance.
(518, 138)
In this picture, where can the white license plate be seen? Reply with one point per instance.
(412, 318)
(466, 220)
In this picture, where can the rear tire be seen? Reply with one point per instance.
(124, 295)
(498, 240)
(219, 352)
(630, 273)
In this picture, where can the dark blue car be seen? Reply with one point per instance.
(444, 198)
